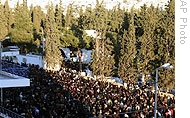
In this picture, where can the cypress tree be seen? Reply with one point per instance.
(37, 18)
(103, 62)
(3, 23)
(68, 37)
(22, 31)
(52, 57)
(8, 15)
(59, 16)
(84, 23)
(166, 48)
(98, 51)
(114, 30)
(70, 17)
(108, 61)
(88, 23)
(127, 65)
(146, 52)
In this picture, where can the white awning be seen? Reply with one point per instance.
(10, 80)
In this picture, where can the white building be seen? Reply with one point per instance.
(11, 53)
(8, 53)
(30, 59)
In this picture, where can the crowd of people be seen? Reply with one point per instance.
(66, 94)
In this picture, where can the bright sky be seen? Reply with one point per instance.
(110, 3)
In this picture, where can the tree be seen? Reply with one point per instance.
(68, 39)
(68, 35)
(3, 23)
(22, 31)
(166, 45)
(60, 22)
(127, 65)
(70, 17)
(115, 19)
(53, 58)
(37, 16)
(103, 46)
(84, 23)
(9, 16)
(114, 30)
(86, 41)
(108, 62)
(103, 63)
(37, 19)
(85, 20)
(96, 62)
(146, 52)
(59, 16)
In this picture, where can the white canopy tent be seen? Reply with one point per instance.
(10, 80)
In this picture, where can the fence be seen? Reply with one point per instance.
(5, 113)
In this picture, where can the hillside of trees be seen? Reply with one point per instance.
(132, 41)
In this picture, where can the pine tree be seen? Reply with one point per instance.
(84, 23)
(59, 16)
(60, 21)
(68, 39)
(108, 62)
(114, 30)
(146, 52)
(98, 52)
(22, 32)
(127, 65)
(68, 35)
(88, 22)
(70, 17)
(166, 45)
(85, 18)
(3, 23)
(52, 57)
(103, 63)
(8, 15)
(37, 18)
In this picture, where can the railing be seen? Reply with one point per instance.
(5, 113)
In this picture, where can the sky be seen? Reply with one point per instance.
(109, 3)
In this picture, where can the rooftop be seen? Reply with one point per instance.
(11, 80)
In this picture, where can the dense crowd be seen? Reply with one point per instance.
(65, 94)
